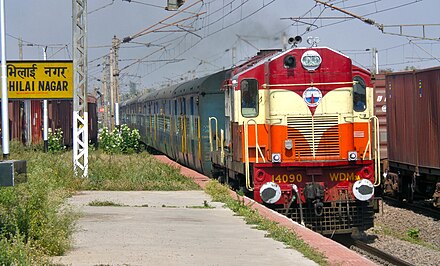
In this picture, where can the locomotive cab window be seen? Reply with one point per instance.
(359, 94)
(249, 97)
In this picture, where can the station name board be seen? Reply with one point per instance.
(40, 79)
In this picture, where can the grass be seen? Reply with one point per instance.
(133, 172)
(97, 203)
(35, 224)
(220, 193)
(409, 236)
(34, 220)
(204, 206)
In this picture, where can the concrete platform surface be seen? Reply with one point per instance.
(335, 253)
(168, 228)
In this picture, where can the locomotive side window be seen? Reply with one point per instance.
(249, 97)
(359, 94)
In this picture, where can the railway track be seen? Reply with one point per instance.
(377, 255)
(417, 206)
(370, 252)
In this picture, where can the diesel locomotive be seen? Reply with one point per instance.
(294, 129)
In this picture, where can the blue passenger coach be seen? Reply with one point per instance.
(175, 120)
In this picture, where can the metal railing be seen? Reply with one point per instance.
(258, 151)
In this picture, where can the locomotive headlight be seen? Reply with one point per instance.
(288, 144)
(363, 189)
(270, 192)
(311, 60)
(352, 155)
(234, 83)
(276, 157)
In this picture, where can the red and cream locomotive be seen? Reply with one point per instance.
(300, 134)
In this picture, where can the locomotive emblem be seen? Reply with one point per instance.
(312, 96)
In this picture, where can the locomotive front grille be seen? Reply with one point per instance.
(337, 218)
(314, 135)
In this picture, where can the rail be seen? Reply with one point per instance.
(382, 257)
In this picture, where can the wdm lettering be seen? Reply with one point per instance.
(344, 177)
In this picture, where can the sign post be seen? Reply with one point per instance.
(39, 80)
(5, 112)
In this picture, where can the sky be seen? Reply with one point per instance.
(211, 35)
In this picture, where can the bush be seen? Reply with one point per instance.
(56, 141)
(413, 233)
(121, 140)
(33, 222)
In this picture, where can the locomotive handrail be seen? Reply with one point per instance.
(258, 151)
(246, 158)
(210, 133)
(257, 147)
(199, 138)
(184, 133)
(375, 121)
(377, 176)
(222, 148)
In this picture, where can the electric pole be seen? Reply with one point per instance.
(114, 82)
(5, 112)
(80, 116)
(26, 104)
(105, 91)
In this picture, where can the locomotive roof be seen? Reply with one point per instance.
(276, 54)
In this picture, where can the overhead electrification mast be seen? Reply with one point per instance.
(80, 118)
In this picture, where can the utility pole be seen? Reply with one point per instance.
(114, 82)
(284, 40)
(105, 91)
(5, 112)
(45, 117)
(80, 116)
(234, 60)
(375, 61)
(26, 105)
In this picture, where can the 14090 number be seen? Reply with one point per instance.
(292, 178)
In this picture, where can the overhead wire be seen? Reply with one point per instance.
(204, 26)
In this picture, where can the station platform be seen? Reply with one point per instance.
(336, 253)
(168, 228)
(183, 228)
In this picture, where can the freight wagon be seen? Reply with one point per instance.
(413, 124)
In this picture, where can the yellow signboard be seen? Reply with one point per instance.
(40, 79)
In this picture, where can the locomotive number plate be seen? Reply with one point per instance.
(287, 178)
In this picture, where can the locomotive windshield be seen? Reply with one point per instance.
(249, 97)
(359, 94)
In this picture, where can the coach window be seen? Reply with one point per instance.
(359, 94)
(191, 105)
(249, 97)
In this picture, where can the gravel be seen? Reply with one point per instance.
(392, 224)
